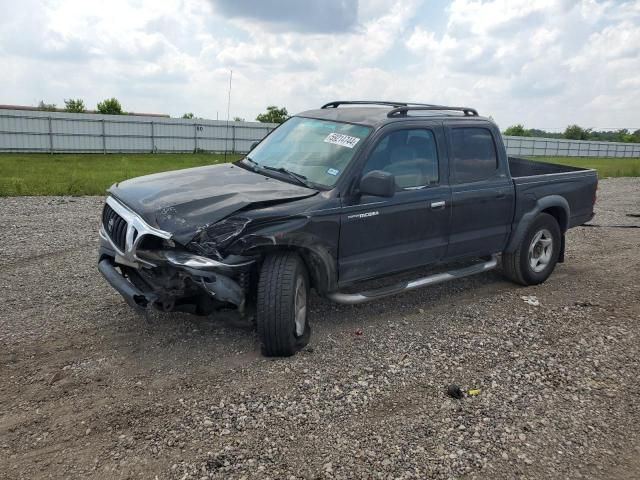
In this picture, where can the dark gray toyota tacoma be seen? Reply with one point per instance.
(334, 198)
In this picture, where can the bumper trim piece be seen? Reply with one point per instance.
(132, 295)
(197, 262)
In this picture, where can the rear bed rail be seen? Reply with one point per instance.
(524, 167)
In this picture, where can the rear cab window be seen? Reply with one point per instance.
(474, 156)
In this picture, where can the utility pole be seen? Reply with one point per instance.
(226, 137)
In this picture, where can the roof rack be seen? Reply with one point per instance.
(337, 103)
(402, 110)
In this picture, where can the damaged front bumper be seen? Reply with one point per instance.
(132, 295)
(168, 278)
(221, 281)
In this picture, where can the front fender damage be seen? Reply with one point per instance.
(211, 239)
(299, 233)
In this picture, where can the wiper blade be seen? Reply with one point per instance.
(253, 163)
(301, 179)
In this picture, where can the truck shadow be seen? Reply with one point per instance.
(186, 344)
(440, 296)
(328, 315)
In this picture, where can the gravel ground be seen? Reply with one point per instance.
(89, 389)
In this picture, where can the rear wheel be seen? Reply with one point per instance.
(536, 257)
(281, 313)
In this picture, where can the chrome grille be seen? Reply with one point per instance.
(115, 226)
(125, 229)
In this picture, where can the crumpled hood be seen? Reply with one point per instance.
(184, 201)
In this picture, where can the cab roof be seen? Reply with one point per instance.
(377, 113)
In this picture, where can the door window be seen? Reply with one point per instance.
(410, 155)
(473, 154)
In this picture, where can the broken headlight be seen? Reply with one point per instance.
(211, 239)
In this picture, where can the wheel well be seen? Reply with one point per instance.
(560, 215)
(318, 275)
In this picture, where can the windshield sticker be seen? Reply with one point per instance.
(333, 171)
(342, 140)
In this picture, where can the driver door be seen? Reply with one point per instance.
(378, 235)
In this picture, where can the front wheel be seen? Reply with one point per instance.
(281, 313)
(537, 255)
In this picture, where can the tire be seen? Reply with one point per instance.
(283, 293)
(536, 256)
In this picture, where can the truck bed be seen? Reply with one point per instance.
(522, 167)
(534, 180)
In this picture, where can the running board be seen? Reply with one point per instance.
(355, 298)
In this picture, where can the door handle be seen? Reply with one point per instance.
(438, 205)
(500, 196)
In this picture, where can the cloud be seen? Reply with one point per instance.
(527, 61)
(616, 43)
(544, 63)
(309, 16)
(330, 54)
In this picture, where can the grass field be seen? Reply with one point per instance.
(607, 167)
(92, 174)
(87, 174)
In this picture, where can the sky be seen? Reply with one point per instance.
(542, 63)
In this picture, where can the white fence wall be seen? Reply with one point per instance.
(554, 147)
(56, 132)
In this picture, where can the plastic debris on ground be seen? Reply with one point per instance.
(531, 300)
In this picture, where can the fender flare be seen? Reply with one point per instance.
(319, 263)
(542, 204)
(318, 256)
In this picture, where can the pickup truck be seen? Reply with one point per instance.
(334, 198)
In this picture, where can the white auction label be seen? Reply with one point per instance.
(342, 140)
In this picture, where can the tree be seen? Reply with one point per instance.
(517, 131)
(188, 115)
(575, 132)
(110, 106)
(74, 106)
(238, 119)
(273, 115)
(47, 107)
(536, 132)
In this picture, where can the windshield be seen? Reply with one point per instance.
(318, 150)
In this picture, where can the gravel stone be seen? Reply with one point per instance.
(182, 397)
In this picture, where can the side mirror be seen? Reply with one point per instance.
(378, 183)
(254, 145)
